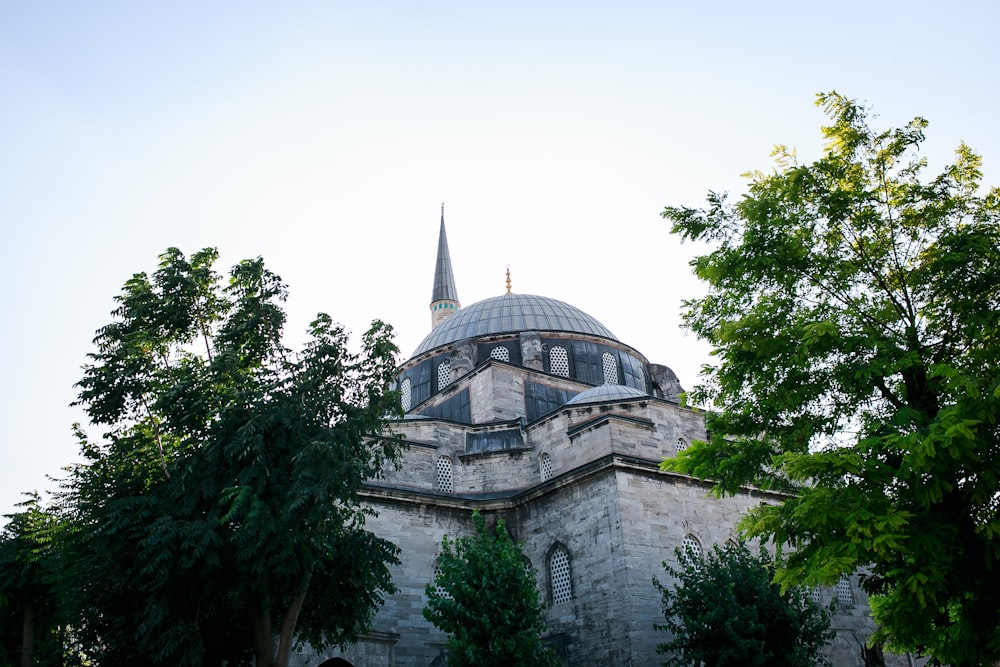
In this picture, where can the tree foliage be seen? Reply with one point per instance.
(29, 565)
(218, 518)
(854, 309)
(485, 597)
(726, 610)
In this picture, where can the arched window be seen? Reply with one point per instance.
(690, 549)
(444, 374)
(610, 368)
(500, 353)
(844, 593)
(405, 395)
(559, 576)
(559, 361)
(445, 475)
(545, 463)
(681, 445)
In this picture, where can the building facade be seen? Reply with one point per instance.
(527, 408)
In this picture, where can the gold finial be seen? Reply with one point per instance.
(508, 279)
(442, 209)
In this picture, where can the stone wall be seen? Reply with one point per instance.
(658, 511)
(583, 519)
(616, 515)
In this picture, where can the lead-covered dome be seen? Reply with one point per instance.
(607, 392)
(511, 313)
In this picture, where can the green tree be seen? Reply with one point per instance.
(726, 610)
(485, 597)
(28, 571)
(854, 309)
(218, 519)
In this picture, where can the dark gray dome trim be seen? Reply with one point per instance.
(510, 313)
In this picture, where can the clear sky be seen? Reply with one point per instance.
(324, 136)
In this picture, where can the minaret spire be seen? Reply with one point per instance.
(444, 300)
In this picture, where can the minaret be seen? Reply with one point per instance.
(444, 301)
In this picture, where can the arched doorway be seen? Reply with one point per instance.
(335, 662)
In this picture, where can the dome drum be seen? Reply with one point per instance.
(571, 356)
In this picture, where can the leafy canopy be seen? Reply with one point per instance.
(29, 570)
(854, 310)
(726, 610)
(218, 519)
(485, 597)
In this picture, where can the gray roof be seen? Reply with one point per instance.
(511, 313)
(444, 280)
(607, 392)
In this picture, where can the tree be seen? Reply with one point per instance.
(28, 571)
(219, 519)
(854, 309)
(485, 597)
(727, 610)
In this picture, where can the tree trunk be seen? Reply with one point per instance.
(28, 635)
(288, 625)
(263, 638)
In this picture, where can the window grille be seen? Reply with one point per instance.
(405, 395)
(681, 445)
(844, 593)
(445, 475)
(559, 361)
(546, 464)
(814, 595)
(690, 549)
(610, 368)
(500, 353)
(444, 374)
(562, 586)
(438, 588)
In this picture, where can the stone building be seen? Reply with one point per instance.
(529, 409)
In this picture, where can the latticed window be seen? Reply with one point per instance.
(546, 466)
(690, 549)
(844, 593)
(500, 353)
(444, 374)
(610, 368)
(562, 585)
(815, 595)
(438, 588)
(559, 361)
(405, 395)
(445, 475)
(681, 445)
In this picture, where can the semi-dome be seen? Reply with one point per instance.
(511, 313)
(607, 392)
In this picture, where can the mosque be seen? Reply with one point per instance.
(527, 408)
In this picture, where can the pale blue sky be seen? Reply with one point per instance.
(325, 135)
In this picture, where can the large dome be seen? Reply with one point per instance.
(510, 313)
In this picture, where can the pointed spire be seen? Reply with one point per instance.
(444, 299)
